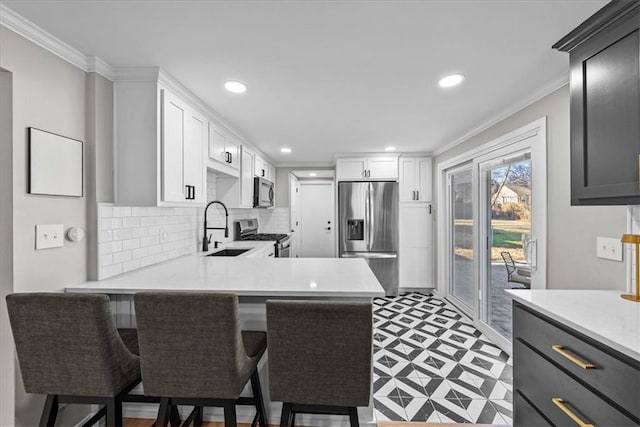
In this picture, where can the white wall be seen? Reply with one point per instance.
(571, 230)
(48, 93)
(7, 367)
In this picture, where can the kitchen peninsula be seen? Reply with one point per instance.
(254, 280)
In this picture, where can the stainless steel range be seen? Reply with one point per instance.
(247, 229)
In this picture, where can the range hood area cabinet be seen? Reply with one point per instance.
(160, 142)
(223, 151)
(367, 168)
(604, 57)
(238, 192)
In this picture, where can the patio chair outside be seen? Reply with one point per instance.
(516, 273)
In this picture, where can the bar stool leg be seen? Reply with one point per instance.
(114, 413)
(163, 412)
(174, 416)
(353, 416)
(197, 422)
(257, 397)
(230, 414)
(285, 418)
(293, 419)
(50, 411)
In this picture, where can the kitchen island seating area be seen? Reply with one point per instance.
(192, 352)
(321, 362)
(70, 350)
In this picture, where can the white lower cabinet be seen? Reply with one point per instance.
(416, 245)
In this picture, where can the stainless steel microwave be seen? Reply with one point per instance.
(263, 193)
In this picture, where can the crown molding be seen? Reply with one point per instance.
(97, 65)
(30, 31)
(508, 112)
(136, 74)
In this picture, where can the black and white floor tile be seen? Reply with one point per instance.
(432, 365)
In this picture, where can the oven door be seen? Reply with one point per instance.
(263, 193)
(283, 248)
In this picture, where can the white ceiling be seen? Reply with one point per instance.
(329, 77)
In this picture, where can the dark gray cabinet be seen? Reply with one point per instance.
(604, 54)
(559, 372)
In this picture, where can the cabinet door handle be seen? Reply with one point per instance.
(193, 192)
(429, 209)
(564, 408)
(564, 353)
(187, 192)
(230, 157)
(417, 195)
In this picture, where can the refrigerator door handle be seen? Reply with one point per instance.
(368, 255)
(368, 219)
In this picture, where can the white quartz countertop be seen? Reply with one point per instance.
(601, 315)
(247, 276)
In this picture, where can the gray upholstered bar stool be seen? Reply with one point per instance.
(193, 353)
(319, 357)
(69, 349)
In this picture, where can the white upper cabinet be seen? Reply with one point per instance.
(223, 150)
(238, 192)
(160, 143)
(183, 137)
(367, 168)
(246, 177)
(415, 179)
(194, 171)
(260, 167)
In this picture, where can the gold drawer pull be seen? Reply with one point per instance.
(571, 357)
(560, 404)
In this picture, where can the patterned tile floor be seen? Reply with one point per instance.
(432, 365)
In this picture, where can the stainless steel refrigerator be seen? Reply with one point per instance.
(368, 228)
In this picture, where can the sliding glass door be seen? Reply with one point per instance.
(461, 283)
(506, 196)
(494, 227)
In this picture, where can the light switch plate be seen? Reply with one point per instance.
(49, 236)
(609, 248)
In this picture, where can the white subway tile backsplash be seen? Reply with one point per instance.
(106, 211)
(123, 256)
(130, 244)
(138, 211)
(131, 265)
(122, 234)
(121, 211)
(111, 270)
(139, 253)
(131, 222)
(129, 237)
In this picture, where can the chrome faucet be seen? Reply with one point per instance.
(206, 240)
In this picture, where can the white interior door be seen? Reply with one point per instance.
(294, 222)
(317, 230)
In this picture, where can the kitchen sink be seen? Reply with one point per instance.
(229, 252)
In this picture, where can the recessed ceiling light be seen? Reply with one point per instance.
(451, 80)
(235, 86)
(390, 148)
(313, 174)
(285, 150)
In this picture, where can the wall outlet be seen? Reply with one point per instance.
(164, 235)
(609, 248)
(49, 236)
